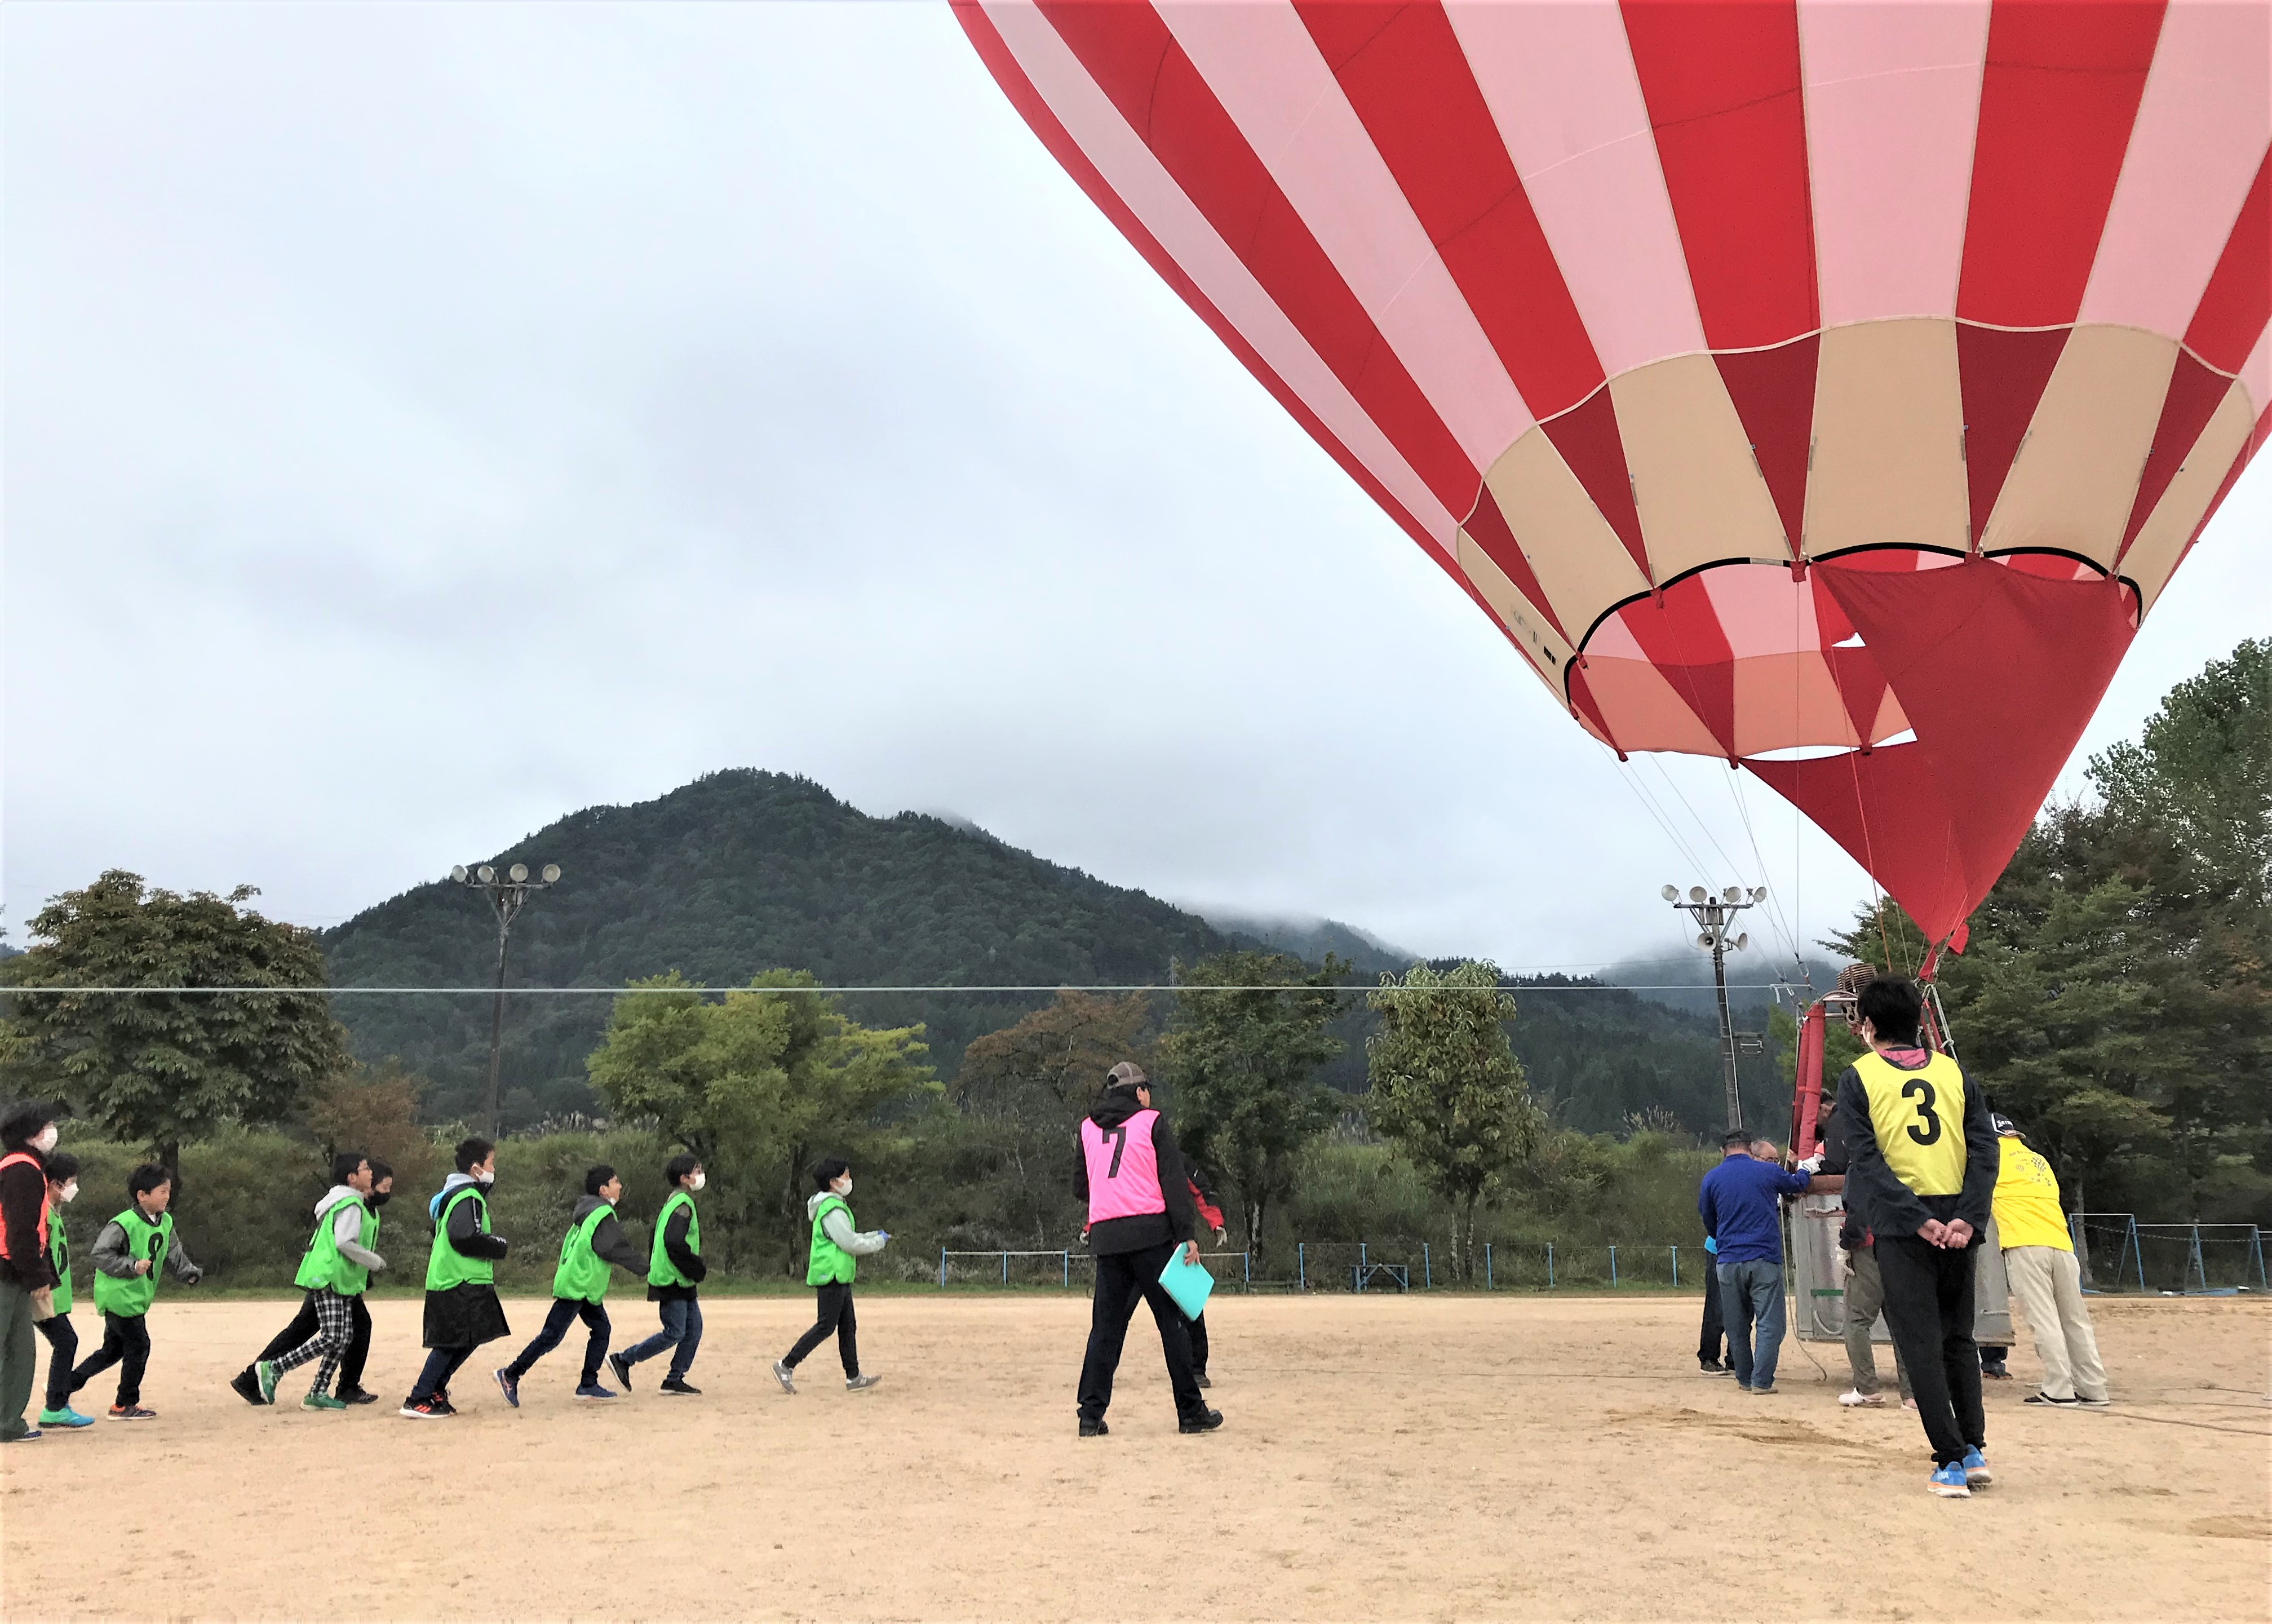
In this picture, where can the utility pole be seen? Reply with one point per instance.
(1714, 914)
(507, 896)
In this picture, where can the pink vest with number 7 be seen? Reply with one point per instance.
(1124, 1175)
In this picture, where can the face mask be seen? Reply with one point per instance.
(71, 1191)
(485, 1179)
(846, 1188)
(698, 1182)
(380, 1198)
(45, 1141)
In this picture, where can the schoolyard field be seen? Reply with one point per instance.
(1427, 1458)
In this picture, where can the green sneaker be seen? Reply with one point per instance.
(65, 1416)
(322, 1401)
(265, 1374)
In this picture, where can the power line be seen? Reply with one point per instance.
(1185, 986)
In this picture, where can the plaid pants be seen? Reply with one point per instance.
(334, 1330)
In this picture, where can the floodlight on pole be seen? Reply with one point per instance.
(1714, 915)
(506, 898)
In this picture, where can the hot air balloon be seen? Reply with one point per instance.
(1829, 387)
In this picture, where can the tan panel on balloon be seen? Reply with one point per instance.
(1889, 461)
(1643, 710)
(1549, 654)
(2161, 539)
(1783, 700)
(1701, 498)
(1582, 566)
(2076, 475)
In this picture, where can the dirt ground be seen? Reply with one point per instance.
(1383, 1457)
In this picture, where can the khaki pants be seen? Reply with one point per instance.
(1866, 1297)
(2048, 1282)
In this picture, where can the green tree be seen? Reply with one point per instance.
(761, 1082)
(160, 1069)
(1446, 1088)
(1244, 1067)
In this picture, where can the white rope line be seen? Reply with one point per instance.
(490, 991)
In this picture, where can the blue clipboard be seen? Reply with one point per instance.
(1188, 1284)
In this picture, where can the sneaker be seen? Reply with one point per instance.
(785, 1376)
(592, 1390)
(131, 1412)
(1723, 1370)
(421, 1410)
(1205, 1421)
(357, 1396)
(1710, 1367)
(2045, 1398)
(1763, 1392)
(1948, 1482)
(1093, 1429)
(65, 1416)
(509, 1384)
(1856, 1398)
(679, 1385)
(317, 1400)
(246, 1386)
(442, 1401)
(861, 1384)
(2094, 1403)
(620, 1368)
(1994, 1373)
(28, 1435)
(265, 1374)
(1201, 1377)
(1976, 1474)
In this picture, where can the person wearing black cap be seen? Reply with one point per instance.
(1131, 1175)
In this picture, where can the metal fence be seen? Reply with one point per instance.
(2118, 1253)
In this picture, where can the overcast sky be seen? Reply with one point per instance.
(422, 422)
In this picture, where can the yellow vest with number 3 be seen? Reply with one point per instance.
(1918, 1118)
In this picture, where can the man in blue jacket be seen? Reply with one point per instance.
(1740, 1202)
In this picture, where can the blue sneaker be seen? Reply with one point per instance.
(592, 1389)
(1948, 1482)
(509, 1386)
(65, 1416)
(1975, 1470)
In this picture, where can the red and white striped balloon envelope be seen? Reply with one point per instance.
(1828, 387)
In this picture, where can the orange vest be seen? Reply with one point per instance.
(7, 1242)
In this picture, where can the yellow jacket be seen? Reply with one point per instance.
(2028, 1200)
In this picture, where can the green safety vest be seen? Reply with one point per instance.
(831, 1264)
(324, 1265)
(583, 1273)
(59, 1255)
(445, 1265)
(130, 1299)
(660, 1270)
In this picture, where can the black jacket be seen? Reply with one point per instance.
(1854, 1231)
(23, 1188)
(1150, 1229)
(1890, 1206)
(469, 1238)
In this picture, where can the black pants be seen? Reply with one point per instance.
(835, 1315)
(1713, 1337)
(305, 1324)
(124, 1337)
(566, 1312)
(1199, 1346)
(1929, 1311)
(433, 1376)
(62, 1338)
(1122, 1278)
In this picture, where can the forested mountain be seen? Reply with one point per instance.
(744, 871)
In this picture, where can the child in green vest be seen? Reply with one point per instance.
(836, 1248)
(333, 1272)
(127, 1254)
(61, 1335)
(579, 1285)
(462, 1311)
(674, 1281)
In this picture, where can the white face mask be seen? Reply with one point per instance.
(71, 1191)
(846, 1187)
(485, 1179)
(698, 1182)
(45, 1141)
